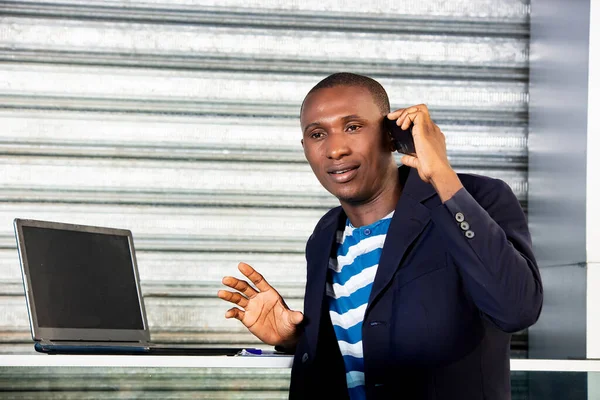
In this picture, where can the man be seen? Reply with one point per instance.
(415, 282)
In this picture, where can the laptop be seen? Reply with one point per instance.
(83, 292)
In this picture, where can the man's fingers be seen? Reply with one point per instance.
(235, 313)
(405, 116)
(235, 298)
(410, 161)
(243, 286)
(240, 285)
(409, 118)
(399, 114)
(395, 114)
(256, 278)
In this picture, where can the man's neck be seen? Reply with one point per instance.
(375, 209)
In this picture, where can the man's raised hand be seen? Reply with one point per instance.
(430, 160)
(261, 308)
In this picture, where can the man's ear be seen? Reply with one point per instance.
(302, 142)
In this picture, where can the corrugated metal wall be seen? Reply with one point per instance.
(179, 120)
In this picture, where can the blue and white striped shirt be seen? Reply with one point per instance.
(349, 283)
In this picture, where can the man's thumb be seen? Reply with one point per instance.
(296, 317)
(410, 161)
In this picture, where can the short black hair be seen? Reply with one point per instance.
(350, 79)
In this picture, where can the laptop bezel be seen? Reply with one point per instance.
(53, 334)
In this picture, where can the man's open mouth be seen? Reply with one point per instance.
(343, 174)
(341, 171)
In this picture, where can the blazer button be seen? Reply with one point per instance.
(464, 226)
(460, 217)
(470, 234)
(304, 357)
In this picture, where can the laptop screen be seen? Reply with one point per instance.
(82, 280)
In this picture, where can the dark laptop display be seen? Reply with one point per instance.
(83, 292)
(82, 280)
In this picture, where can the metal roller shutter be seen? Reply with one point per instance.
(179, 120)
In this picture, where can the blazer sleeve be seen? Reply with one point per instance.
(489, 241)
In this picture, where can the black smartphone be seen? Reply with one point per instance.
(403, 139)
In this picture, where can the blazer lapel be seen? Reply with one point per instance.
(317, 266)
(409, 220)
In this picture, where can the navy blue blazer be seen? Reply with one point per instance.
(454, 281)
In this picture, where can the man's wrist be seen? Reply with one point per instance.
(446, 183)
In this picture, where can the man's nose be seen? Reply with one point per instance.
(337, 146)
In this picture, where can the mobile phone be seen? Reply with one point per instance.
(403, 139)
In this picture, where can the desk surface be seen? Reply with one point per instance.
(143, 361)
(43, 360)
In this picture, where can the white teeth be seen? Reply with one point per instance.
(341, 172)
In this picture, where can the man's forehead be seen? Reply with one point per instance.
(338, 90)
(343, 98)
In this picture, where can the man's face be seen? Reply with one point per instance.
(344, 144)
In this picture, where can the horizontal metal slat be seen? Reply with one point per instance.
(177, 182)
(158, 182)
(100, 106)
(94, 37)
(514, 10)
(159, 92)
(366, 22)
(188, 318)
(190, 271)
(103, 84)
(160, 176)
(167, 228)
(13, 315)
(196, 289)
(172, 199)
(197, 293)
(275, 19)
(246, 49)
(483, 11)
(172, 133)
(206, 138)
(92, 198)
(21, 194)
(197, 315)
(264, 65)
(173, 243)
(159, 179)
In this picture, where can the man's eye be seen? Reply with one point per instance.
(352, 128)
(316, 135)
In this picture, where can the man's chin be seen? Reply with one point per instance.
(348, 193)
(348, 196)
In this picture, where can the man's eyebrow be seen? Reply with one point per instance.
(307, 127)
(349, 117)
(345, 119)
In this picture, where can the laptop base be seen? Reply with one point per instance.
(133, 349)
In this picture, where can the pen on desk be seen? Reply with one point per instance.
(258, 352)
